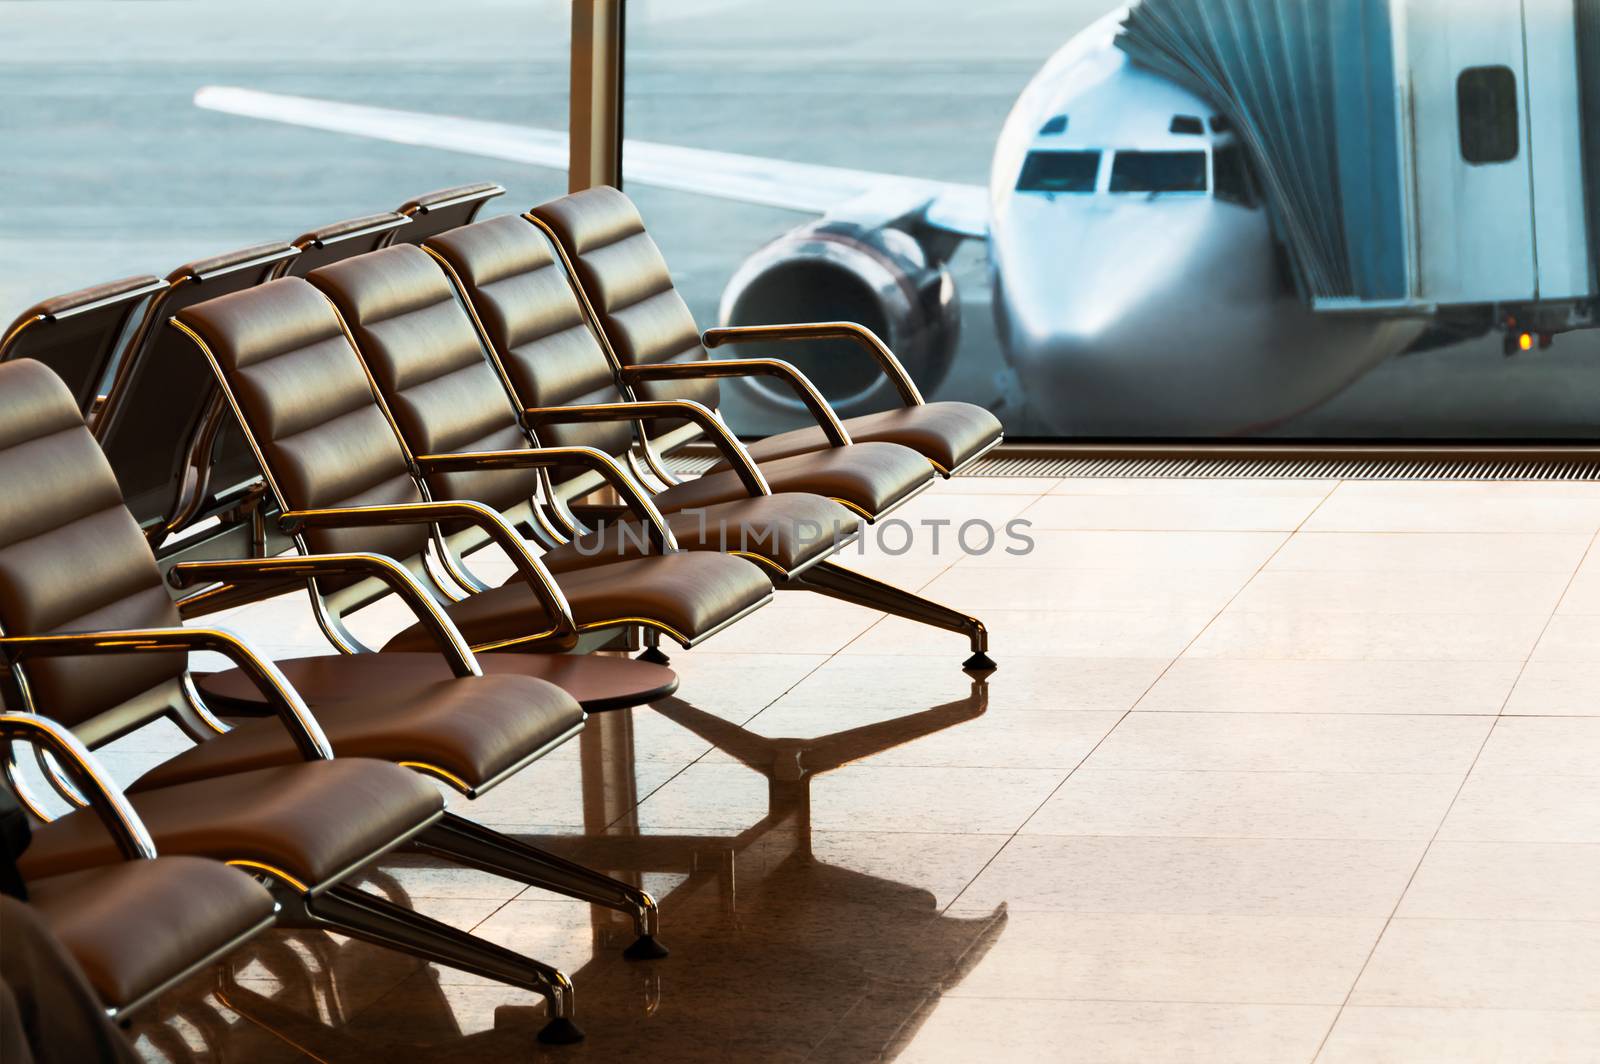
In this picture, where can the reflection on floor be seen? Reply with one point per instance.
(1270, 771)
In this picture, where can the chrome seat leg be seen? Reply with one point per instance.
(835, 581)
(463, 842)
(348, 911)
(652, 649)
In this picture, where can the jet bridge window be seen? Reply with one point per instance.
(1059, 171)
(1159, 171)
(1486, 107)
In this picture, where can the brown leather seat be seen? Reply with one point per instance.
(134, 926)
(328, 442)
(161, 400)
(315, 821)
(687, 595)
(76, 572)
(557, 349)
(647, 322)
(534, 323)
(435, 212)
(870, 478)
(475, 729)
(78, 335)
(789, 531)
(947, 434)
(342, 240)
(447, 397)
(597, 683)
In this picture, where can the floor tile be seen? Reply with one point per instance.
(1113, 1032)
(1542, 746)
(1380, 636)
(1197, 876)
(1301, 742)
(723, 798)
(1502, 964)
(1557, 688)
(1353, 591)
(1571, 637)
(1043, 633)
(1474, 551)
(1281, 805)
(1583, 594)
(1304, 686)
(1238, 513)
(1526, 809)
(1461, 1036)
(976, 589)
(1427, 509)
(1121, 957)
(1509, 880)
(1000, 737)
(1143, 551)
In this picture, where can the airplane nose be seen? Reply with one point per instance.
(1170, 323)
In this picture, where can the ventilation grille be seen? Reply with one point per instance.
(1292, 469)
(1259, 468)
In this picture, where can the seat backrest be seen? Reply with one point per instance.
(163, 395)
(342, 240)
(532, 320)
(447, 208)
(425, 356)
(627, 282)
(79, 334)
(71, 557)
(307, 402)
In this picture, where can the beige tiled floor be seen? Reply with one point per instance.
(1271, 771)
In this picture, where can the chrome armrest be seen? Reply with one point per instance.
(115, 811)
(661, 410)
(813, 399)
(545, 457)
(285, 701)
(563, 631)
(358, 564)
(824, 330)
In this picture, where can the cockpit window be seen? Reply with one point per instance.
(1055, 125)
(1159, 171)
(1060, 171)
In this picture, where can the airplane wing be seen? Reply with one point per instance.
(832, 191)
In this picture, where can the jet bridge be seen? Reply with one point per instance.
(1436, 157)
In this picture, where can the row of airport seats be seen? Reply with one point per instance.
(356, 414)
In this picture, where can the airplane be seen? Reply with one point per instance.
(1136, 279)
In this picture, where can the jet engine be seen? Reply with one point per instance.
(882, 278)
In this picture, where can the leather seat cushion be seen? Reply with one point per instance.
(314, 820)
(870, 478)
(949, 434)
(790, 531)
(474, 728)
(688, 593)
(134, 925)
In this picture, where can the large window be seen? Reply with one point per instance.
(1062, 245)
(110, 168)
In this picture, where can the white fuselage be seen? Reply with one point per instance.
(1137, 282)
